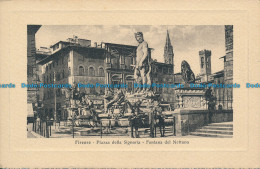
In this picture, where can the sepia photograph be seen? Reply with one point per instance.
(130, 81)
(132, 84)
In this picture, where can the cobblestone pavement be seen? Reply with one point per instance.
(56, 132)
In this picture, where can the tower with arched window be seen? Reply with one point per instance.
(205, 62)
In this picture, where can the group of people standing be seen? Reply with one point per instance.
(155, 118)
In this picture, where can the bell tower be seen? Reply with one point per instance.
(205, 62)
(168, 50)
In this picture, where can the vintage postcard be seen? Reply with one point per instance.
(103, 82)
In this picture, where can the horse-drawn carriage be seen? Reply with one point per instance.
(137, 116)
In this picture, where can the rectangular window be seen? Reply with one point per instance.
(69, 71)
(132, 60)
(57, 76)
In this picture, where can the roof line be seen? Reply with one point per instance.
(122, 45)
(67, 47)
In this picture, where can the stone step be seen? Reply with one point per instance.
(117, 131)
(217, 128)
(225, 124)
(211, 135)
(76, 133)
(158, 129)
(147, 132)
(65, 130)
(228, 132)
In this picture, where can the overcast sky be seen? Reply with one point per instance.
(187, 41)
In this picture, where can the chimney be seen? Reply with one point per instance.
(102, 45)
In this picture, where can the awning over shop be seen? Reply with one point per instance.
(30, 110)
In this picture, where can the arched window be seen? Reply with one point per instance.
(132, 60)
(91, 71)
(81, 71)
(207, 62)
(202, 62)
(101, 71)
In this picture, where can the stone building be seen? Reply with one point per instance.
(119, 64)
(178, 78)
(75, 61)
(206, 77)
(228, 65)
(205, 65)
(31, 68)
(163, 74)
(166, 71)
(224, 96)
(72, 64)
(41, 53)
(219, 93)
